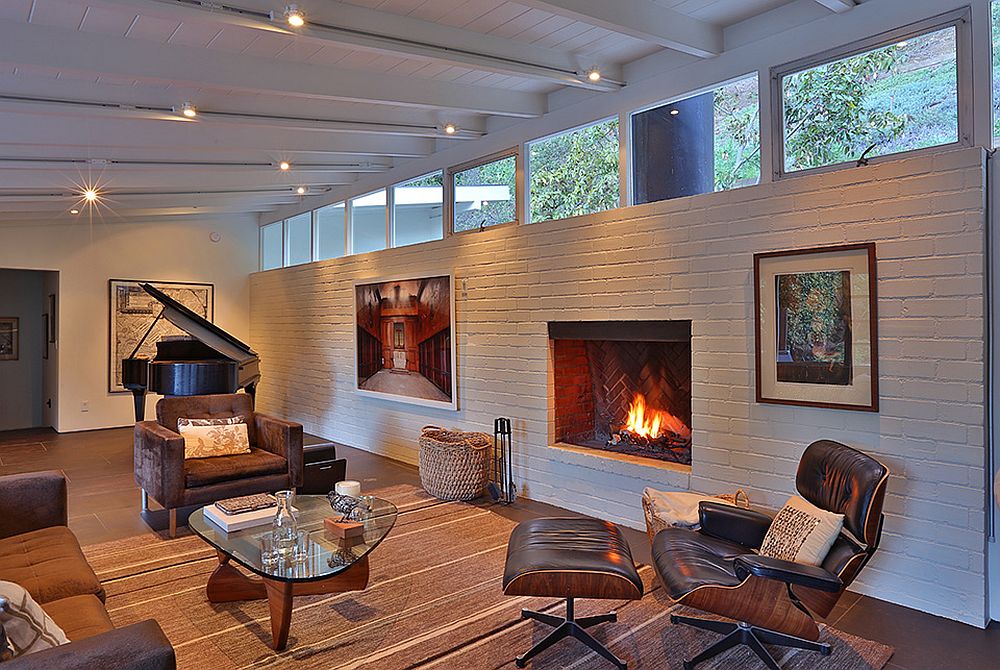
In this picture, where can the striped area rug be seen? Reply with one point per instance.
(433, 601)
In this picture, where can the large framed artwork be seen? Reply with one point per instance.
(8, 338)
(816, 326)
(404, 340)
(133, 311)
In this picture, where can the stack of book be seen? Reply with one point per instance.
(235, 514)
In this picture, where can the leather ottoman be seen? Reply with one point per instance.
(570, 558)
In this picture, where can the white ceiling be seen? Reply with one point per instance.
(151, 55)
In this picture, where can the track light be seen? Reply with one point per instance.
(594, 75)
(294, 16)
(284, 166)
(189, 110)
(450, 129)
(674, 112)
(301, 190)
(90, 195)
(74, 211)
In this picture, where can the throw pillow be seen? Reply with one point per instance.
(27, 626)
(206, 438)
(801, 532)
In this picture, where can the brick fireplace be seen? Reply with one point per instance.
(623, 386)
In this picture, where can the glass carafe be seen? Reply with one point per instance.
(285, 526)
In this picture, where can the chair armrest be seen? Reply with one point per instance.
(141, 646)
(32, 501)
(159, 463)
(789, 572)
(733, 523)
(283, 438)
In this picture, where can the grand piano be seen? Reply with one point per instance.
(209, 361)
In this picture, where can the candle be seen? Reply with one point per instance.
(348, 488)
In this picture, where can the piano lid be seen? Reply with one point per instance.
(200, 328)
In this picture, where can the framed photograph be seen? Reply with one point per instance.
(404, 340)
(52, 317)
(8, 338)
(816, 327)
(46, 324)
(132, 311)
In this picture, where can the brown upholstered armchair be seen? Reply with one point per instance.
(273, 464)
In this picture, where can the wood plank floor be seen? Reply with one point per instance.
(104, 505)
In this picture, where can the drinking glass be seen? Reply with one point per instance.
(269, 555)
(303, 547)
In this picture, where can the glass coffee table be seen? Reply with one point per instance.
(332, 565)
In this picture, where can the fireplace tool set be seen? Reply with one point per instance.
(501, 486)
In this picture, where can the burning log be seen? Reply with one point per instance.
(651, 433)
(663, 442)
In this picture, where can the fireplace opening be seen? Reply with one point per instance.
(624, 386)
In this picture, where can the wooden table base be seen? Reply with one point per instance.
(227, 584)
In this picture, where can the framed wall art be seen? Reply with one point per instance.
(816, 327)
(132, 311)
(404, 342)
(8, 338)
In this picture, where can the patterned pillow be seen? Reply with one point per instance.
(801, 532)
(27, 626)
(206, 438)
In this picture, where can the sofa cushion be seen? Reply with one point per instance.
(49, 564)
(80, 616)
(205, 471)
(28, 627)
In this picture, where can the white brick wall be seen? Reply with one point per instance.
(692, 259)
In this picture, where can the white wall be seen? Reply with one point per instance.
(692, 259)
(21, 296)
(88, 255)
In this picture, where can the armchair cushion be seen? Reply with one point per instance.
(49, 564)
(31, 502)
(789, 572)
(257, 463)
(686, 559)
(802, 532)
(221, 406)
(80, 617)
(29, 628)
(733, 523)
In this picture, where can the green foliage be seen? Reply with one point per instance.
(493, 212)
(575, 173)
(827, 119)
(816, 321)
(737, 135)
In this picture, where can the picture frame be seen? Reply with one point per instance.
(404, 344)
(131, 312)
(816, 327)
(9, 333)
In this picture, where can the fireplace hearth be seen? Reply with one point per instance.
(624, 387)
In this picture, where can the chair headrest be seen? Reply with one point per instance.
(845, 481)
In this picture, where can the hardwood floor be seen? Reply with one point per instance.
(104, 505)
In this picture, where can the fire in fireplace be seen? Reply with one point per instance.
(624, 387)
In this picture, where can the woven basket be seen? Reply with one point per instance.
(453, 463)
(654, 524)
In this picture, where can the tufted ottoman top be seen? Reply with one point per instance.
(570, 558)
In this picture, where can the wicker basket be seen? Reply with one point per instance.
(453, 463)
(654, 524)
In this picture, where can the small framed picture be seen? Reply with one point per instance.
(8, 338)
(816, 327)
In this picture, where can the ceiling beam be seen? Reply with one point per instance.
(157, 180)
(75, 51)
(839, 6)
(644, 20)
(370, 30)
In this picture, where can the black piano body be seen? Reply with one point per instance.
(208, 361)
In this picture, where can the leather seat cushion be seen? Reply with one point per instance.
(686, 559)
(205, 471)
(49, 564)
(581, 558)
(80, 616)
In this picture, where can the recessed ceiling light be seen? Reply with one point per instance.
(189, 110)
(450, 128)
(594, 74)
(90, 195)
(284, 166)
(294, 16)
(74, 211)
(301, 190)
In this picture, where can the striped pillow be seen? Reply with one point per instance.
(27, 626)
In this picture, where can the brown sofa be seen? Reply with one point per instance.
(41, 554)
(273, 464)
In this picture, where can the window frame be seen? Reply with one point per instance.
(349, 224)
(286, 247)
(519, 183)
(444, 207)
(260, 245)
(526, 214)
(630, 178)
(959, 19)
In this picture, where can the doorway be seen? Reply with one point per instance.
(28, 348)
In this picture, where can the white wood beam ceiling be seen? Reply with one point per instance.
(70, 50)
(839, 6)
(644, 20)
